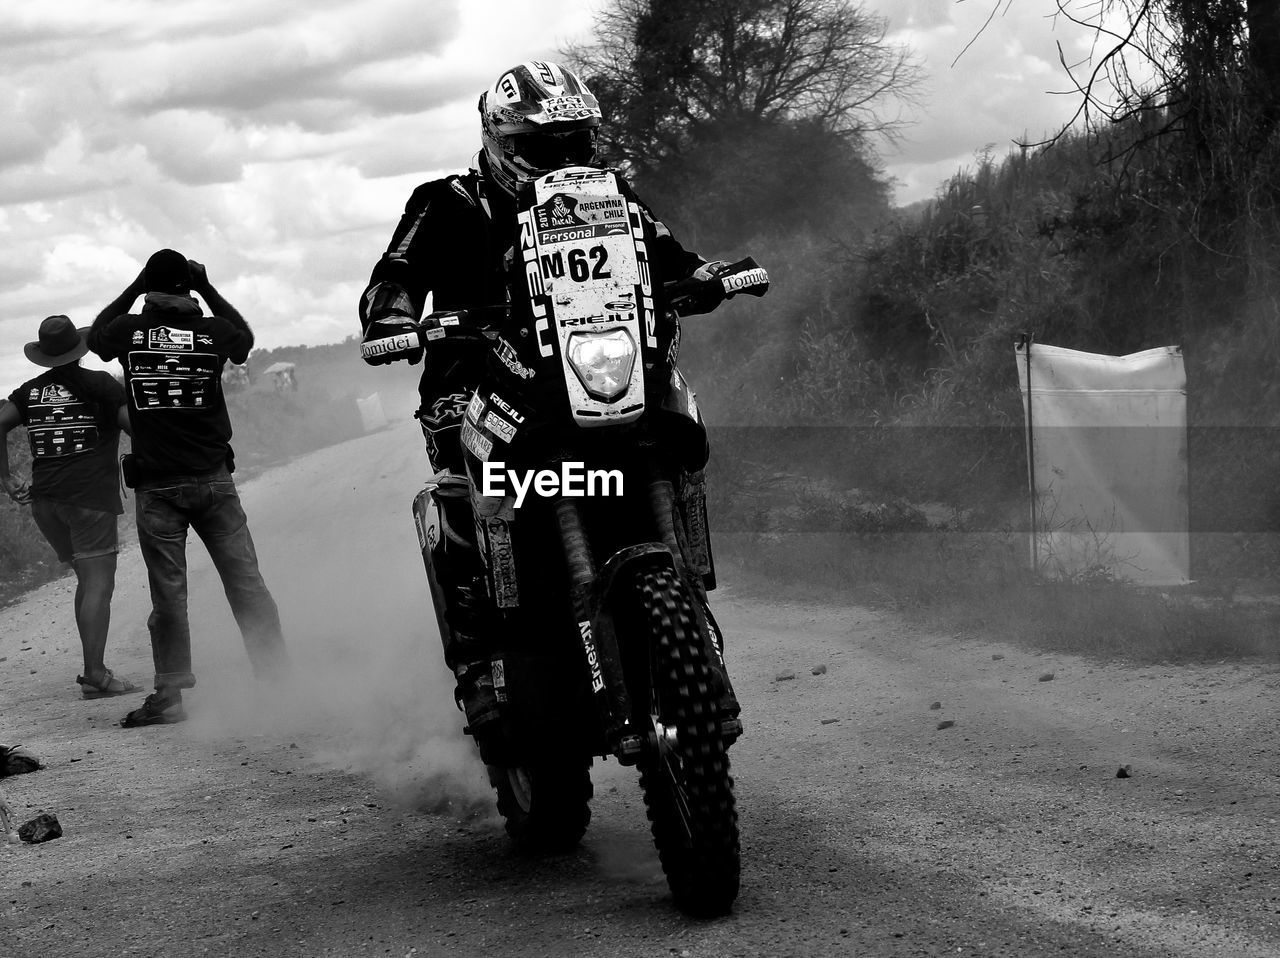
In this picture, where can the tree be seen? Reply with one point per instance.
(715, 105)
(1200, 78)
(1179, 234)
(1169, 55)
(1203, 73)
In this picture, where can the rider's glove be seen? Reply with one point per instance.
(708, 293)
(390, 340)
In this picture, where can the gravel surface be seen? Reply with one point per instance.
(900, 793)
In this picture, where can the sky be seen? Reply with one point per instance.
(277, 143)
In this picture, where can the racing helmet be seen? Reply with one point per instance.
(536, 118)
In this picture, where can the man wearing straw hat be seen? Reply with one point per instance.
(73, 417)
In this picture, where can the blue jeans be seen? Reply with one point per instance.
(209, 504)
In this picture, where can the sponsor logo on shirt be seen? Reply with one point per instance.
(55, 395)
(166, 338)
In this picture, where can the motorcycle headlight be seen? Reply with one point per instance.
(603, 361)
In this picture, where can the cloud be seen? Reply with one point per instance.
(22, 141)
(992, 68)
(307, 58)
(194, 147)
(277, 143)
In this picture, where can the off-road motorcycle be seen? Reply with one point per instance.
(600, 585)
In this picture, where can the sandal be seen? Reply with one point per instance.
(109, 685)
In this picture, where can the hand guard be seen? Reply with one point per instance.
(707, 294)
(710, 270)
(390, 340)
(747, 277)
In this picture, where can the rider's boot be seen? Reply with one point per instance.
(473, 622)
(468, 619)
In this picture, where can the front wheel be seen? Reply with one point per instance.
(546, 803)
(687, 787)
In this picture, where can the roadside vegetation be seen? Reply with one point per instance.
(870, 442)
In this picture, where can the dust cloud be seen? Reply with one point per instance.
(369, 693)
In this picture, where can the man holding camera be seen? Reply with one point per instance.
(173, 355)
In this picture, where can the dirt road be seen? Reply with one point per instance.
(348, 816)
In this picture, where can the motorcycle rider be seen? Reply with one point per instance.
(455, 242)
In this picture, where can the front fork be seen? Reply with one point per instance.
(595, 631)
(589, 590)
(662, 498)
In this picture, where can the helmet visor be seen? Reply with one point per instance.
(544, 150)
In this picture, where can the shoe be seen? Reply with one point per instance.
(107, 686)
(158, 709)
(476, 695)
(17, 760)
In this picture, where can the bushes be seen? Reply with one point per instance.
(891, 362)
(1086, 245)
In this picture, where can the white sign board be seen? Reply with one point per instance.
(1107, 449)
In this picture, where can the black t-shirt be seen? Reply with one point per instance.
(70, 415)
(173, 356)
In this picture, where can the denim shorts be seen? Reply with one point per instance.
(74, 531)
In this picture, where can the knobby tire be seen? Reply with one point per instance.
(689, 793)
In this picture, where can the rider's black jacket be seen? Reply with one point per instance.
(455, 241)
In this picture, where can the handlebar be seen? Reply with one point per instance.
(694, 295)
(474, 324)
(478, 324)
